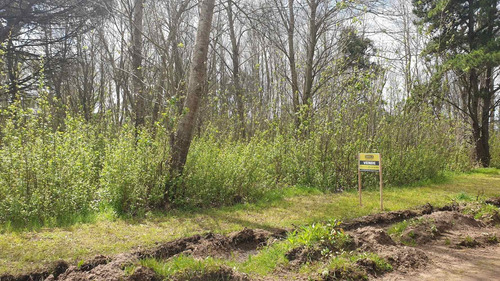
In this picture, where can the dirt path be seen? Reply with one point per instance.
(446, 263)
(455, 264)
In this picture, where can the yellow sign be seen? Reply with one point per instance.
(369, 162)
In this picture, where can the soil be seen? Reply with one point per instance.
(438, 244)
(238, 245)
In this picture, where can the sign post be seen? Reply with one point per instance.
(370, 162)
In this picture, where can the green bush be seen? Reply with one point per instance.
(133, 174)
(52, 173)
(47, 176)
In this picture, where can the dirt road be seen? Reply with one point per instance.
(446, 264)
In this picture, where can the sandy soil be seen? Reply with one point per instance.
(455, 264)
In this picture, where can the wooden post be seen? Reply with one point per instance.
(381, 184)
(359, 183)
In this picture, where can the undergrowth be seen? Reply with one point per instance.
(57, 172)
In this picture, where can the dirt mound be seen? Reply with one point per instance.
(222, 273)
(215, 245)
(144, 274)
(106, 269)
(370, 267)
(495, 201)
(36, 276)
(430, 227)
(371, 239)
(492, 218)
(301, 255)
(376, 240)
(404, 258)
(380, 219)
(95, 262)
(473, 241)
(171, 248)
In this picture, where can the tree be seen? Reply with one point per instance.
(196, 88)
(465, 35)
(235, 58)
(28, 27)
(138, 86)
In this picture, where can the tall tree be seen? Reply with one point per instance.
(28, 27)
(137, 80)
(196, 88)
(235, 58)
(466, 37)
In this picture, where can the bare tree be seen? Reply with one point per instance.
(196, 89)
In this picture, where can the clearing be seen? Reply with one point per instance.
(443, 239)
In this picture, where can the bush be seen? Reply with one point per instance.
(51, 175)
(47, 176)
(133, 174)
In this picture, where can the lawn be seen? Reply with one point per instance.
(27, 250)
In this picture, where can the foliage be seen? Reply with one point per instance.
(133, 171)
(46, 176)
(52, 175)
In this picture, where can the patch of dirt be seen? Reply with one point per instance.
(495, 201)
(238, 244)
(99, 268)
(381, 219)
(369, 266)
(404, 259)
(301, 255)
(430, 227)
(144, 274)
(478, 240)
(376, 240)
(447, 264)
(95, 262)
(222, 273)
(371, 239)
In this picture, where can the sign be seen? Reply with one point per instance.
(369, 162)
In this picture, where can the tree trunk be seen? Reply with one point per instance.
(196, 88)
(311, 47)
(235, 57)
(137, 29)
(291, 60)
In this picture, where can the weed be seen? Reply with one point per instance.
(493, 239)
(463, 196)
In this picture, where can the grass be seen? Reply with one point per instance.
(22, 251)
(318, 236)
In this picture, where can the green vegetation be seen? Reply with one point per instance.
(481, 210)
(21, 251)
(319, 237)
(57, 177)
(347, 261)
(124, 125)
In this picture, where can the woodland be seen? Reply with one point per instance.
(138, 106)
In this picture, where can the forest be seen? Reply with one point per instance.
(135, 106)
